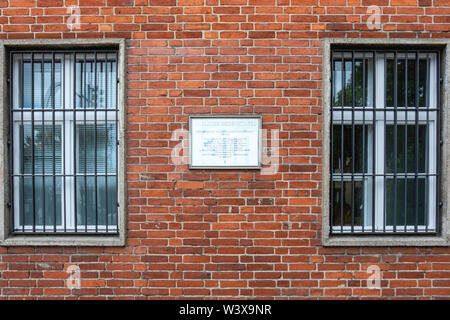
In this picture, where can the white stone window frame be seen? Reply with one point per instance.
(443, 237)
(6, 236)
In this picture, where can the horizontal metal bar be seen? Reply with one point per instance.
(362, 109)
(78, 232)
(334, 50)
(371, 233)
(40, 110)
(29, 175)
(338, 175)
(40, 51)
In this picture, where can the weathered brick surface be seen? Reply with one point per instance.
(210, 234)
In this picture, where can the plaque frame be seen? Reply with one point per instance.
(227, 116)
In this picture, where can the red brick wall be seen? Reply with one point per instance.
(224, 233)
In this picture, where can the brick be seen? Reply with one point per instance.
(404, 2)
(224, 233)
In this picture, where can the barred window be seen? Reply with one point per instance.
(385, 142)
(64, 142)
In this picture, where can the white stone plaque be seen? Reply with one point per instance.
(225, 142)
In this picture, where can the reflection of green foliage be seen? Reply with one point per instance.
(410, 82)
(41, 137)
(358, 88)
(410, 148)
(359, 134)
(346, 93)
(358, 198)
(44, 140)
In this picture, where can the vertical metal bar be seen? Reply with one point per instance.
(10, 139)
(22, 139)
(116, 84)
(405, 149)
(106, 107)
(417, 108)
(427, 171)
(22, 104)
(53, 140)
(63, 133)
(85, 99)
(12, 180)
(353, 143)
(32, 141)
(374, 121)
(416, 176)
(106, 138)
(43, 137)
(395, 138)
(95, 140)
(333, 92)
(75, 134)
(364, 167)
(438, 136)
(427, 110)
(385, 159)
(342, 140)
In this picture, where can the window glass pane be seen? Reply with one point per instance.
(406, 82)
(38, 80)
(361, 149)
(102, 137)
(46, 138)
(342, 95)
(400, 83)
(45, 202)
(106, 201)
(342, 202)
(391, 84)
(47, 190)
(27, 85)
(359, 82)
(96, 81)
(337, 83)
(406, 148)
(423, 85)
(411, 83)
(348, 82)
(106, 190)
(414, 197)
(86, 91)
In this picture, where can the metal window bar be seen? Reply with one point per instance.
(45, 88)
(394, 117)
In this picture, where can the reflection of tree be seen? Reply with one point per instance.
(49, 95)
(44, 139)
(358, 199)
(94, 96)
(410, 82)
(410, 148)
(347, 93)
